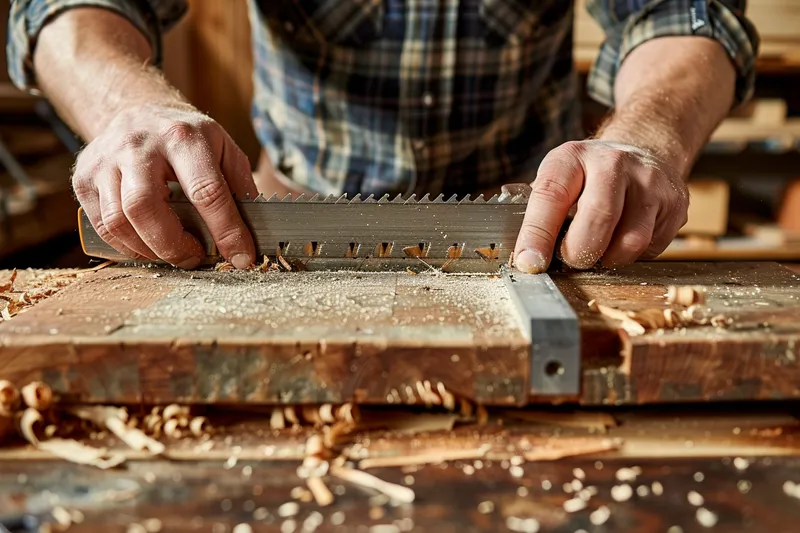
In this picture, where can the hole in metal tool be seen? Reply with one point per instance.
(352, 250)
(311, 249)
(420, 250)
(489, 253)
(384, 249)
(554, 368)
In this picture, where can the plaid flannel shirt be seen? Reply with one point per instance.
(440, 96)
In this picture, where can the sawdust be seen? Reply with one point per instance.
(327, 304)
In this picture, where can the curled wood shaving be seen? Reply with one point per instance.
(358, 477)
(320, 490)
(37, 395)
(685, 295)
(68, 449)
(639, 322)
(9, 398)
(434, 456)
(112, 419)
(224, 266)
(8, 285)
(572, 448)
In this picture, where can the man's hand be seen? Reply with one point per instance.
(121, 181)
(629, 206)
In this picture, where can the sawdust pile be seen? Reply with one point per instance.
(18, 295)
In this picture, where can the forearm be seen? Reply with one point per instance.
(91, 64)
(670, 94)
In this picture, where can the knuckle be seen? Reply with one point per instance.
(530, 232)
(180, 131)
(208, 192)
(138, 204)
(552, 190)
(115, 221)
(598, 212)
(635, 242)
(133, 140)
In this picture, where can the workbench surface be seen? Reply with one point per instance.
(149, 335)
(227, 342)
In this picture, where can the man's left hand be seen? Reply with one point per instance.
(629, 206)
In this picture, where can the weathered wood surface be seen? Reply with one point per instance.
(738, 461)
(131, 335)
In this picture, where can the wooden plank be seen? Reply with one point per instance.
(148, 335)
(130, 335)
(755, 358)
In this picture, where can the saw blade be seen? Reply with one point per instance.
(367, 233)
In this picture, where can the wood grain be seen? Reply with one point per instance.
(130, 335)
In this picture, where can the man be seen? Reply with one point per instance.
(395, 96)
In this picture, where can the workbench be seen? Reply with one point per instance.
(705, 409)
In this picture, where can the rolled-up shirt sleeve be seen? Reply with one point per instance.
(28, 17)
(629, 23)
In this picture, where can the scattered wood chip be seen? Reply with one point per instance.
(685, 295)
(113, 419)
(432, 456)
(8, 285)
(68, 449)
(358, 477)
(37, 395)
(9, 398)
(320, 490)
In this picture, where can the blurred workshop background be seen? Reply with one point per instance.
(745, 188)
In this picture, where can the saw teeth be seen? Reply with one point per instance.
(425, 199)
(329, 199)
(287, 198)
(259, 198)
(479, 200)
(356, 199)
(273, 198)
(398, 199)
(314, 198)
(371, 199)
(493, 200)
(301, 198)
(342, 199)
(452, 200)
(465, 200)
(411, 199)
(384, 199)
(439, 199)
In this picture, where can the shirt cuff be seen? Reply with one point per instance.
(27, 18)
(662, 18)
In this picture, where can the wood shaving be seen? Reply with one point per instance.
(9, 398)
(37, 395)
(358, 477)
(685, 295)
(320, 490)
(636, 323)
(572, 448)
(112, 419)
(68, 449)
(434, 456)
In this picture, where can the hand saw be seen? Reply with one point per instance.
(466, 235)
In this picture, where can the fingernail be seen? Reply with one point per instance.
(190, 263)
(241, 261)
(530, 262)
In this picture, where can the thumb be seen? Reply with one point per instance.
(557, 186)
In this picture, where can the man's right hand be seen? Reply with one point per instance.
(121, 180)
